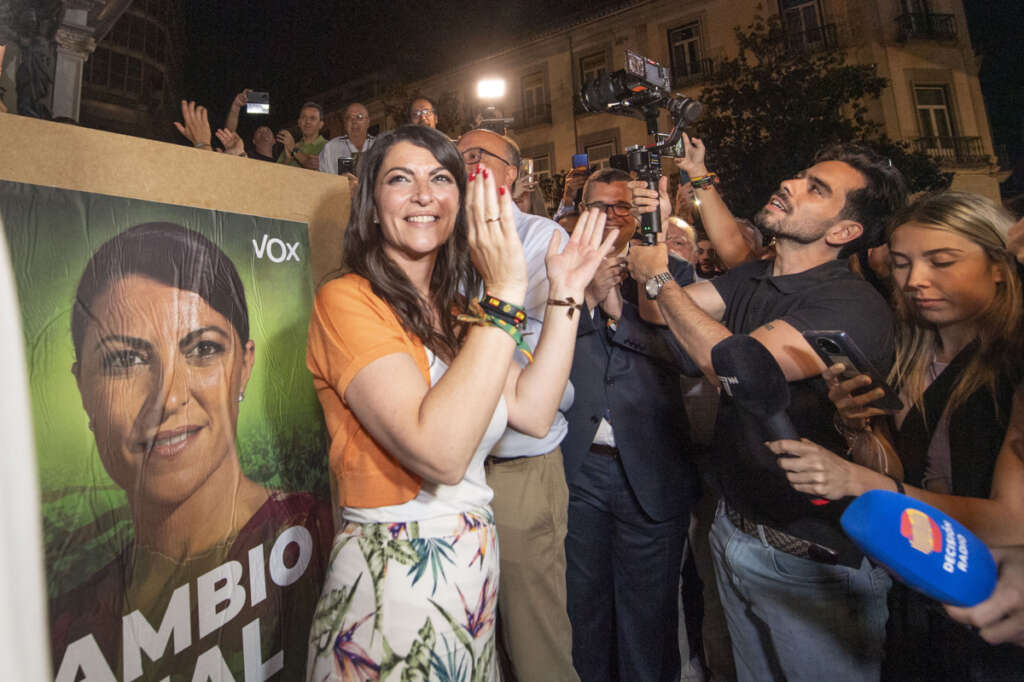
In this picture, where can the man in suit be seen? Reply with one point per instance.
(631, 484)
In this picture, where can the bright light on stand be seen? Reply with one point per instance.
(490, 88)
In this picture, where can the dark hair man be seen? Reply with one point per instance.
(354, 142)
(304, 153)
(631, 484)
(527, 474)
(800, 600)
(423, 111)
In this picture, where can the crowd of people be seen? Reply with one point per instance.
(535, 399)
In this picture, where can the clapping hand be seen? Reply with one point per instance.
(494, 245)
(570, 271)
(196, 125)
(232, 142)
(609, 275)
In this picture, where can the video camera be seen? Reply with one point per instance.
(642, 89)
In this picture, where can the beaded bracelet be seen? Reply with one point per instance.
(513, 314)
(704, 181)
(481, 318)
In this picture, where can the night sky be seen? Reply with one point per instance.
(297, 49)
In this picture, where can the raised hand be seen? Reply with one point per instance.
(232, 142)
(570, 271)
(494, 245)
(241, 99)
(692, 161)
(196, 126)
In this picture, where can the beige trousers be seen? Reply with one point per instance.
(531, 503)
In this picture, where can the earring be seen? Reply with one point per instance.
(241, 396)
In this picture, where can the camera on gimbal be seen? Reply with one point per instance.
(641, 90)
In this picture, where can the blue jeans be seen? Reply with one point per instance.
(796, 619)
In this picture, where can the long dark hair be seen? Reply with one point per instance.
(169, 254)
(454, 276)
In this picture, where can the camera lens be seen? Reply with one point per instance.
(829, 346)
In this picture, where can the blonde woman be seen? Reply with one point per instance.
(958, 357)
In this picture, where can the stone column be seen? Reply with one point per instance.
(74, 45)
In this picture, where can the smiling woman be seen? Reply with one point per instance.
(160, 329)
(417, 385)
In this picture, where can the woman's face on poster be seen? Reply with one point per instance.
(160, 373)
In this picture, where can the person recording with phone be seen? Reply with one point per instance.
(304, 152)
(341, 155)
(958, 359)
(573, 188)
(262, 144)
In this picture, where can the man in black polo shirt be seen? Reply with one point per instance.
(801, 602)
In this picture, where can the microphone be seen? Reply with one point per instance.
(921, 546)
(753, 379)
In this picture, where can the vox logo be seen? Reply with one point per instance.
(275, 250)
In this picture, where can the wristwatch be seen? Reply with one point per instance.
(654, 284)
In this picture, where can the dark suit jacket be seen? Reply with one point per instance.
(634, 372)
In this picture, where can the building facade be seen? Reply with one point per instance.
(128, 82)
(933, 101)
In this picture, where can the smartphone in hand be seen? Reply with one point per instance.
(834, 346)
(259, 102)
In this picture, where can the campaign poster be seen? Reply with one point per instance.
(181, 447)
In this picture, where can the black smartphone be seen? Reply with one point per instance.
(834, 346)
(259, 102)
(346, 165)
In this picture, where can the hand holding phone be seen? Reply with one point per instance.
(258, 102)
(834, 346)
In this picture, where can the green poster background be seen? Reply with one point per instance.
(51, 234)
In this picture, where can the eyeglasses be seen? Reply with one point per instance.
(358, 117)
(423, 113)
(474, 155)
(620, 210)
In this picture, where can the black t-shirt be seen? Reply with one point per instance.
(827, 297)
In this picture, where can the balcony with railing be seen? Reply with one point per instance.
(696, 72)
(532, 116)
(953, 151)
(817, 39)
(925, 26)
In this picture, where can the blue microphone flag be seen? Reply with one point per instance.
(925, 548)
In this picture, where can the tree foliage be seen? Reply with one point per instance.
(768, 110)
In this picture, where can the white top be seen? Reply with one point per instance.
(437, 499)
(535, 234)
(340, 148)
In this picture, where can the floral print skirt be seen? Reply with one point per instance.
(409, 601)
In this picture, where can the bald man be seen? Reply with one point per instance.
(352, 144)
(531, 499)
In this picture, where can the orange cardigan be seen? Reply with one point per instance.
(350, 327)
